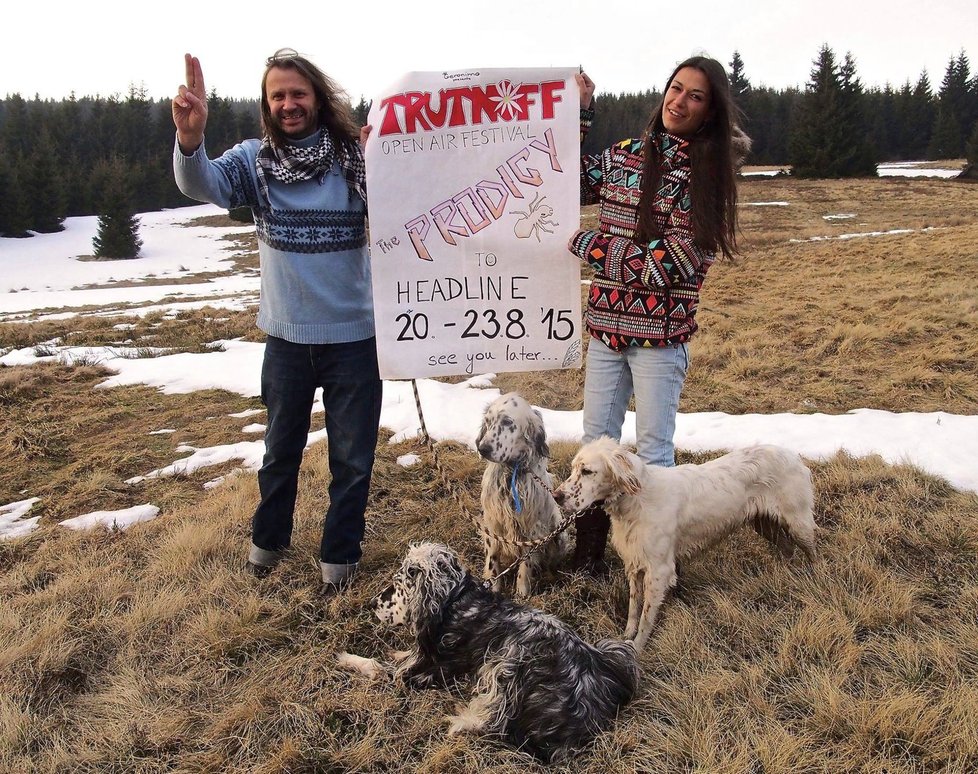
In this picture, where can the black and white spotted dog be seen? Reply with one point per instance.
(535, 682)
(516, 502)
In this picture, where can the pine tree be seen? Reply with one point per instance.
(46, 200)
(15, 135)
(815, 137)
(220, 124)
(954, 109)
(970, 171)
(884, 130)
(971, 149)
(914, 118)
(740, 89)
(14, 216)
(946, 141)
(828, 133)
(860, 161)
(118, 227)
(739, 84)
(360, 112)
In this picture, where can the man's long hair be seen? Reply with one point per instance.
(335, 115)
(714, 151)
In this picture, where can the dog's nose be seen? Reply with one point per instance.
(485, 450)
(559, 497)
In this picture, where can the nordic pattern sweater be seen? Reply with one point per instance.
(315, 269)
(643, 294)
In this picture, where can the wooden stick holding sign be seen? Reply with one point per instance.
(474, 189)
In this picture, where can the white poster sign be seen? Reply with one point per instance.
(473, 181)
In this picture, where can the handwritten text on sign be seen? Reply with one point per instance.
(473, 186)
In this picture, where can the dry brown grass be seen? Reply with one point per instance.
(150, 650)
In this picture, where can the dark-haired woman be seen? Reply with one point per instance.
(667, 209)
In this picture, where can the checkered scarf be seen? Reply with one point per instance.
(292, 164)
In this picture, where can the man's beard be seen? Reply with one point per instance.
(307, 127)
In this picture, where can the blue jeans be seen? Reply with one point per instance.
(352, 392)
(655, 376)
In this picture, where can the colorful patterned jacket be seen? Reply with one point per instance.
(643, 294)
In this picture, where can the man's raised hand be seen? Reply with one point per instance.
(190, 107)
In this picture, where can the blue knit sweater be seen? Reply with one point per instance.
(315, 269)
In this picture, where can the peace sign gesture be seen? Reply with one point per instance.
(190, 107)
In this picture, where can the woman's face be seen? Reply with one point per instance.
(687, 102)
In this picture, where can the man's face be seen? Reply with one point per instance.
(292, 102)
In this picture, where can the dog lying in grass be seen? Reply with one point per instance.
(660, 514)
(535, 683)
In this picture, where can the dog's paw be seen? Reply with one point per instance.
(420, 681)
(365, 666)
(463, 723)
(397, 656)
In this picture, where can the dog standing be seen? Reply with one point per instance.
(536, 683)
(659, 514)
(516, 502)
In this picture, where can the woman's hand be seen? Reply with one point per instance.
(586, 88)
(364, 134)
(570, 242)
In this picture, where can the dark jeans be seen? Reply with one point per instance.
(352, 393)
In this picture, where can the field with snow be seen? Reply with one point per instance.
(132, 429)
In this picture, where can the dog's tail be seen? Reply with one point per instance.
(783, 512)
(781, 535)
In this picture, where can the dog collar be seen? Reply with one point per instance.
(517, 504)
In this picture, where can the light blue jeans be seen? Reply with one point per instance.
(655, 376)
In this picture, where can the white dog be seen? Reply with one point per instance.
(517, 506)
(660, 514)
(535, 683)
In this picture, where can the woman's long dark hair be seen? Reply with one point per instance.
(335, 115)
(713, 159)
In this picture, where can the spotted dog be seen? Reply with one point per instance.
(516, 502)
(660, 514)
(534, 682)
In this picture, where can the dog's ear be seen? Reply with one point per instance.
(537, 435)
(623, 472)
(448, 563)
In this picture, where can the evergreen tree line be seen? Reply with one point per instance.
(86, 156)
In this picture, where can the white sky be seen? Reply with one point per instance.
(43, 270)
(101, 46)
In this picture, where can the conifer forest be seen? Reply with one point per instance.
(89, 155)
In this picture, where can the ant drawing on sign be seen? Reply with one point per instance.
(535, 219)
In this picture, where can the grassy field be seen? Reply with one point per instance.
(150, 650)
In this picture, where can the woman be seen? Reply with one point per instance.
(668, 207)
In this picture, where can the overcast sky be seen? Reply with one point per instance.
(103, 46)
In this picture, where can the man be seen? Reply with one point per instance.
(304, 181)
